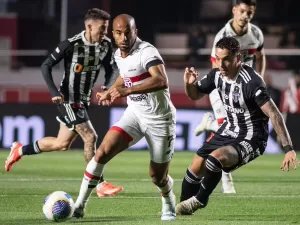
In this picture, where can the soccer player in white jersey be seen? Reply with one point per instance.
(251, 40)
(150, 114)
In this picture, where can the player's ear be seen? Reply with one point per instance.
(233, 9)
(136, 31)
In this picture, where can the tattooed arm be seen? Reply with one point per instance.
(270, 109)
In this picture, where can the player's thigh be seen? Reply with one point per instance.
(217, 104)
(65, 136)
(120, 136)
(248, 150)
(161, 140)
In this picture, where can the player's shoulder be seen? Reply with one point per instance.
(145, 45)
(249, 75)
(106, 39)
(256, 30)
(75, 38)
(222, 33)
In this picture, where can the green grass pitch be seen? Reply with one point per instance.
(265, 194)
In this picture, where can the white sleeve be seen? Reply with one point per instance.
(150, 54)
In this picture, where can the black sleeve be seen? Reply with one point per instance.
(257, 90)
(55, 57)
(110, 67)
(207, 84)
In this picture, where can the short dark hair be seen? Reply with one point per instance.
(246, 2)
(229, 43)
(96, 14)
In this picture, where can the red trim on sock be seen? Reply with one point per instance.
(91, 176)
(127, 137)
(220, 121)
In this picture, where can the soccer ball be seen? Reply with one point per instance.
(58, 206)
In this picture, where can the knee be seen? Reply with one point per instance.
(91, 138)
(103, 153)
(63, 146)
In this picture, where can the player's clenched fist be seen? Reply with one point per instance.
(190, 75)
(58, 100)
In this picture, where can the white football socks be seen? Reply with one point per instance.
(90, 180)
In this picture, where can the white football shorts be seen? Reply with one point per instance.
(160, 133)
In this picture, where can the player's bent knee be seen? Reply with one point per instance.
(91, 138)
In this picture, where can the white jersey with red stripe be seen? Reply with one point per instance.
(134, 71)
(250, 43)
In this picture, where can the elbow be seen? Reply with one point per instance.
(164, 84)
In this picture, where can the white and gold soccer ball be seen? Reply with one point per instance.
(58, 206)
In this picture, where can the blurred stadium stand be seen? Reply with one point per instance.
(29, 31)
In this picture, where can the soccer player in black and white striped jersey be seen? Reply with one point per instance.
(243, 136)
(251, 40)
(83, 56)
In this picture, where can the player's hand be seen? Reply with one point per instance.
(104, 98)
(58, 100)
(118, 93)
(190, 75)
(289, 159)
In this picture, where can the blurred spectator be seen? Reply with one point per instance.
(291, 97)
(196, 40)
(290, 40)
(274, 92)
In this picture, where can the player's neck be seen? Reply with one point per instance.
(238, 29)
(88, 38)
(233, 76)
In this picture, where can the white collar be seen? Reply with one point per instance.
(86, 42)
(228, 26)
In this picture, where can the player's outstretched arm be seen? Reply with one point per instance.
(270, 109)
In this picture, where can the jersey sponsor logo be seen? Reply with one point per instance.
(91, 68)
(82, 56)
(236, 94)
(77, 68)
(234, 110)
(139, 98)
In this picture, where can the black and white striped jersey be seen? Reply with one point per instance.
(242, 98)
(82, 63)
